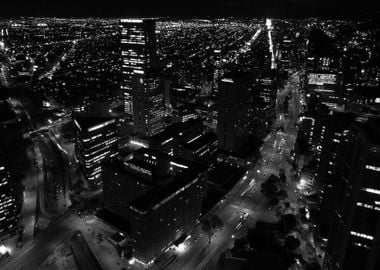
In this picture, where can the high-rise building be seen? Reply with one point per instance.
(167, 90)
(323, 68)
(218, 70)
(335, 129)
(8, 207)
(234, 100)
(148, 100)
(160, 195)
(96, 142)
(286, 50)
(121, 186)
(138, 51)
(354, 238)
(263, 112)
(326, 86)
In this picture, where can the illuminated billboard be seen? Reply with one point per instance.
(321, 78)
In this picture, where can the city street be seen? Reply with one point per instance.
(31, 257)
(245, 197)
(32, 193)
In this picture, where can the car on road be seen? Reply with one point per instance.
(244, 216)
(239, 225)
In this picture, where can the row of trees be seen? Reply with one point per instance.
(211, 226)
(277, 239)
(272, 188)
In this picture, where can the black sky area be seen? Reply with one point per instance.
(188, 8)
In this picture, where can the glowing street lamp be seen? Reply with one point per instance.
(4, 250)
(268, 23)
(181, 248)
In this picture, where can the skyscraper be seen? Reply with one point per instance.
(263, 111)
(354, 238)
(96, 142)
(8, 207)
(160, 195)
(138, 50)
(148, 100)
(233, 109)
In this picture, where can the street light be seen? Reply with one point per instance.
(181, 248)
(4, 250)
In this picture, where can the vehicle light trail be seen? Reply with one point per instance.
(269, 27)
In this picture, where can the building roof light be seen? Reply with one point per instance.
(139, 143)
(227, 80)
(168, 140)
(372, 190)
(131, 20)
(178, 165)
(101, 125)
(372, 168)
(195, 138)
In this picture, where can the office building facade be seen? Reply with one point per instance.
(148, 100)
(138, 51)
(96, 141)
(354, 238)
(160, 195)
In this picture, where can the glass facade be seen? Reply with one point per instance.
(138, 50)
(96, 142)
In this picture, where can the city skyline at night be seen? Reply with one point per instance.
(214, 135)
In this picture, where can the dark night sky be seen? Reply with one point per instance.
(119, 8)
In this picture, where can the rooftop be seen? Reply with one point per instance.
(92, 123)
(155, 197)
(178, 184)
(202, 140)
(175, 129)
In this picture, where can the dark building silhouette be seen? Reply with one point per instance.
(264, 93)
(138, 51)
(354, 239)
(234, 100)
(329, 154)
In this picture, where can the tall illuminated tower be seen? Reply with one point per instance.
(148, 100)
(138, 50)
